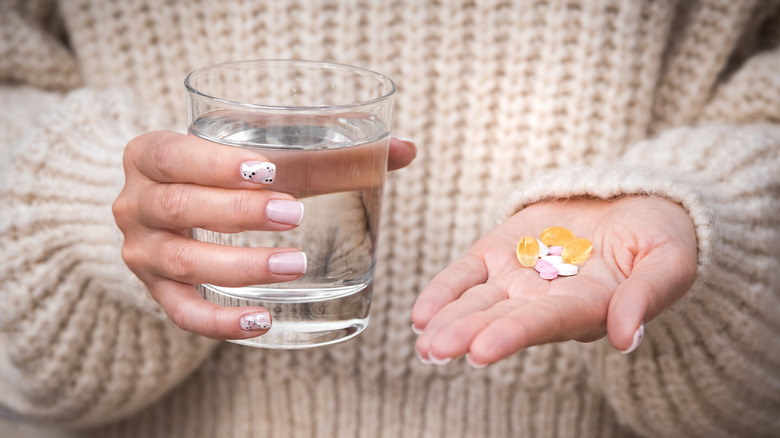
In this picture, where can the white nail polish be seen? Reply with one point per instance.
(638, 335)
(437, 361)
(258, 171)
(424, 360)
(284, 212)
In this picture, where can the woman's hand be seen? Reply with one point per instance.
(176, 182)
(489, 306)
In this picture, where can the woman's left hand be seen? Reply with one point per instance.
(487, 305)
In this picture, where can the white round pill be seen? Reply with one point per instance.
(543, 250)
(565, 269)
(553, 260)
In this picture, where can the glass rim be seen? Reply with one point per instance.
(306, 62)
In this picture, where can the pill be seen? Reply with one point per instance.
(557, 236)
(576, 251)
(527, 251)
(565, 269)
(553, 260)
(549, 274)
(543, 264)
(556, 253)
(543, 250)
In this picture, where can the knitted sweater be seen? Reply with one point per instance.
(510, 103)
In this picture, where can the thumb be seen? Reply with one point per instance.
(656, 282)
(401, 153)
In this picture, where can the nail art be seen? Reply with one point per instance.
(255, 321)
(638, 335)
(258, 171)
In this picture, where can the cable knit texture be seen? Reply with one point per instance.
(510, 103)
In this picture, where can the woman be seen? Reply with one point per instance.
(644, 126)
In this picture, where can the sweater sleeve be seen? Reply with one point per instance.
(708, 365)
(32, 47)
(81, 340)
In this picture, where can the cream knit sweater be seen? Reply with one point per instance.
(510, 102)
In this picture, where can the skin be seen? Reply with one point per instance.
(487, 306)
(174, 182)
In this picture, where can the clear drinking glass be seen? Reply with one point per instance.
(326, 127)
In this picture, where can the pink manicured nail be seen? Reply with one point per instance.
(638, 335)
(255, 321)
(286, 263)
(258, 171)
(284, 212)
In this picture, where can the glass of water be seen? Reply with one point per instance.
(326, 127)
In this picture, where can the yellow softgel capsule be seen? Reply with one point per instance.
(577, 251)
(557, 236)
(527, 251)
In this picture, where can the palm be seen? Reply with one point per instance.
(490, 306)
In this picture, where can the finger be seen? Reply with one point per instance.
(446, 287)
(191, 261)
(551, 318)
(655, 283)
(401, 153)
(179, 206)
(188, 310)
(167, 157)
(450, 332)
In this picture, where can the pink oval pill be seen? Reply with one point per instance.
(548, 274)
(555, 250)
(543, 264)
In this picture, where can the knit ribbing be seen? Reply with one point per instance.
(696, 57)
(60, 315)
(705, 329)
(30, 54)
(501, 97)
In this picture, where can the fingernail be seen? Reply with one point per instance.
(438, 361)
(410, 142)
(284, 212)
(288, 263)
(424, 360)
(473, 364)
(638, 335)
(255, 321)
(258, 171)
(416, 330)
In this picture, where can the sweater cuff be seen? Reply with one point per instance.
(612, 181)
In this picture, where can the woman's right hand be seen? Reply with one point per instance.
(175, 182)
